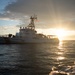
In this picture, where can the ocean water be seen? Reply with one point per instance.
(35, 59)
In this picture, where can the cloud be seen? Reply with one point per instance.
(50, 13)
(8, 30)
(41, 6)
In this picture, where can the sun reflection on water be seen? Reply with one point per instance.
(60, 45)
(60, 52)
(60, 58)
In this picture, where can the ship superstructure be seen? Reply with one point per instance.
(29, 35)
(29, 31)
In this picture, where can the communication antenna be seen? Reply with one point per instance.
(32, 25)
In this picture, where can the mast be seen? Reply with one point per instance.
(32, 25)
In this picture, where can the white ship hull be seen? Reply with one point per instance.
(21, 40)
(29, 35)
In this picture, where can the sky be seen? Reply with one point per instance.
(51, 14)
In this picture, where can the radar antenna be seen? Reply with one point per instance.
(32, 25)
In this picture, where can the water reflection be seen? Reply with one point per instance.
(60, 45)
(60, 53)
(60, 58)
(34, 59)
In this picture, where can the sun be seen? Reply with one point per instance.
(61, 33)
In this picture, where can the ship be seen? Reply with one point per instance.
(29, 34)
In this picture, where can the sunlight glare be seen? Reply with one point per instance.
(61, 33)
(60, 58)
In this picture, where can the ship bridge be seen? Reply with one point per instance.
(29, 31)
